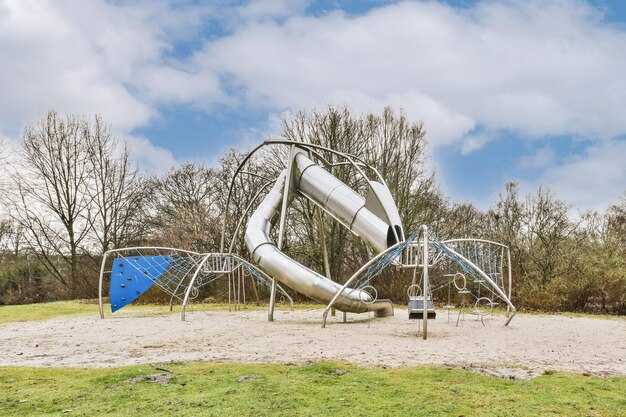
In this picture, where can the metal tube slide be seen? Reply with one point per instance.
(340, 201)
(345, 204)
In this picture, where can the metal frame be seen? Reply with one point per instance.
(308, 146)
(225, 260)
(511, 310)
(413, 253)
(281, 226)
(424, 244)
(421, 242)
(121, 250)
(508, 255)
(352, 160)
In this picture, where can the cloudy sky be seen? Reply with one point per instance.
(531, 91)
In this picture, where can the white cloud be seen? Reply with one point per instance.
(96, 57)
(49, 59)
(536, 68)
(473, 142)
(592, 180)
(259, 10)
(150, 158)
(542, 158)
(539, 68)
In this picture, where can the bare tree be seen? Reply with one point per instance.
(5, 233)
(53, 205)
(4, 173)
(116, 189)
(183, 211)
(545, 228)
(616, 222)
(11, 236)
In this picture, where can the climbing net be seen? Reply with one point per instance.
(169, 269)
(477, 269)
(361, 281)
(179, 273)
(391, 257)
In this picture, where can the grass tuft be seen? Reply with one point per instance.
(331, 389)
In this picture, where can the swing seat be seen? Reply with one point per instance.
(416, 308)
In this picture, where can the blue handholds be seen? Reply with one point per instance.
(133, 276)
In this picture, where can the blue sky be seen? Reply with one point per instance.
(530, 91)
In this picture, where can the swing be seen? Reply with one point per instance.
(416, 304)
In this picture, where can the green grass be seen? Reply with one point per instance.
(44, 311)
(202, 389)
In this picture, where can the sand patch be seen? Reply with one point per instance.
(528, 347)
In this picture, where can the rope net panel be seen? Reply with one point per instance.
(133, 271)
(463, 256)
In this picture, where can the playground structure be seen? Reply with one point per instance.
(472, 266)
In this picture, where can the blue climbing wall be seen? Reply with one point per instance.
(133, 276)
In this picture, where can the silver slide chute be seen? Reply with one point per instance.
(375, 219)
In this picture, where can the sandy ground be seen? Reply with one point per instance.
(528, 347)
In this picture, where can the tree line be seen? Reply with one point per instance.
(76, 194)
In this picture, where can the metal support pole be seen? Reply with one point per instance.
(320, 223)
(192, 281)
(270, 313)
(320, 226)
(242, 277)
(256, 292)
(238, 290)
(425, 311)
(281, 229)
(508, 307)
(104, 258)
(229, 291)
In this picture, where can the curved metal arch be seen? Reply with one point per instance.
(500, 292)
(256, 196)
(176, 290)
(423, 229)
(100, 304)
(190, 286)
(151, 247)
(508, 254)
(199, 268)
(106, 254)
(230, 191)
(349, 157)
(469, 239)
(378, 175)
